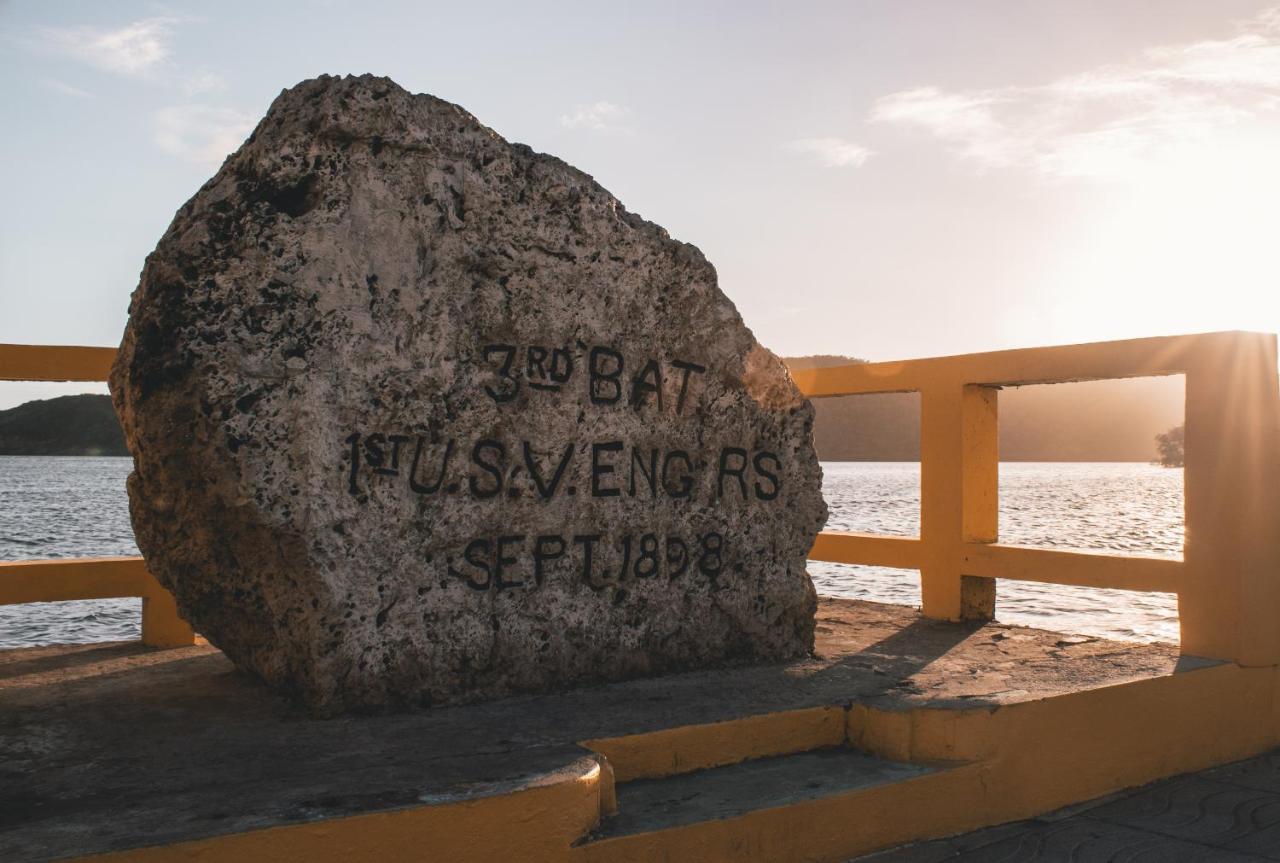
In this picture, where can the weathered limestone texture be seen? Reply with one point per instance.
(421, 416)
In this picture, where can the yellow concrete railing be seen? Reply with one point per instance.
(1228, 582)
(84, 578)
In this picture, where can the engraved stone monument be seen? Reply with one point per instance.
(422, 416)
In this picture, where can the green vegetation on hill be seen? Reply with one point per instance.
(67, 425)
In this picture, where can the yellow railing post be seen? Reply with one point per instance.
(162, 626)
(958, 496)
(1229, 599)
(980, 493)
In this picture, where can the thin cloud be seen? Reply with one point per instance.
(598, 117)
(1108, 121)
(202, 83)
(201, 134)
(133, 49)
(831, 152)
(65, 89)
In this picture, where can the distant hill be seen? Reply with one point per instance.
(1095, 421)
(67, 425)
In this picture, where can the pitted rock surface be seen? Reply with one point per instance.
(421, 416)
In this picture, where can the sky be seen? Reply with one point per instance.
(882, 179)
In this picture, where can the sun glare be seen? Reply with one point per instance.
(1186, 243)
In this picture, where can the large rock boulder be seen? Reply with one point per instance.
(419, 415)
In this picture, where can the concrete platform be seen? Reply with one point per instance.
(111, 747)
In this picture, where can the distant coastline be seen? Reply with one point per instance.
(83, 425)
(1103, 421)
(1099, 421)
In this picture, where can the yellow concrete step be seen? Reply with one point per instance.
(816, 805)
(686, 748)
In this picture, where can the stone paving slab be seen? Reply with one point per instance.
(1262, 773)
(1223, 814)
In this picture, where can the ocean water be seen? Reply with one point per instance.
(1103, 507)
(77, 507)
(59, 507)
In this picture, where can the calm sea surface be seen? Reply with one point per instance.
(77, 507)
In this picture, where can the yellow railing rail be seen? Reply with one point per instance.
(84, 578)
(55, 363)
(98, 578)
(1228, 582)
